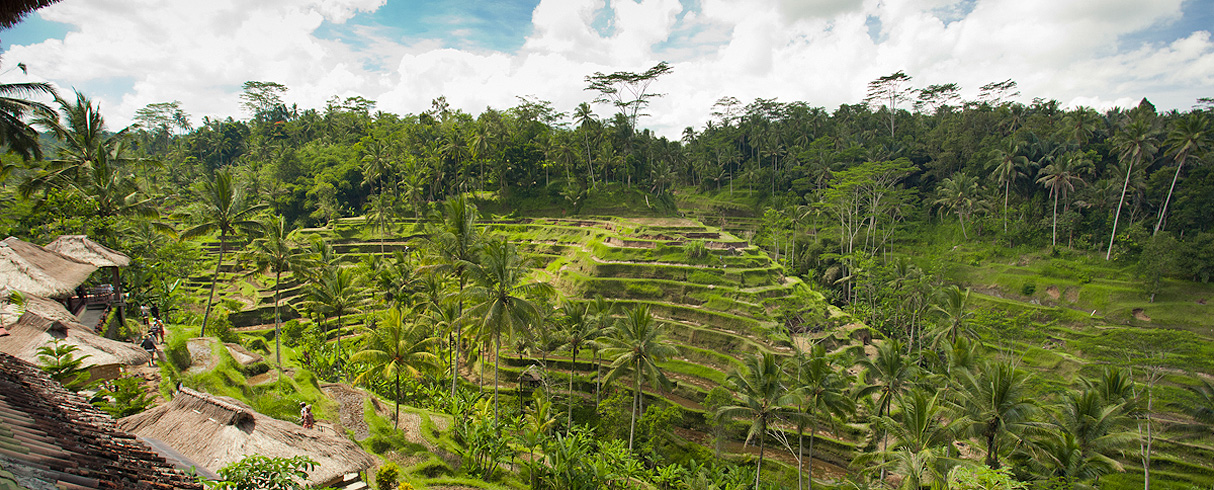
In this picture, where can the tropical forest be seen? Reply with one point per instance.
(910, 291)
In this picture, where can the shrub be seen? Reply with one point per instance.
(220, 327)
(292, 333)
(178, 352)
(258, 344)
(695, 249)
(1028, 288)
(387, 476)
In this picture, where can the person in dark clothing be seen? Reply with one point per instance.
(149, 344)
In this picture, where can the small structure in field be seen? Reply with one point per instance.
(41, 321)
(216, 431)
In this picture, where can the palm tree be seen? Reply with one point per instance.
(274, 252)
(397, 346)
(821, 391)
(924, 432)
(1007, 171)
(997, 404)
(762, 397)
(336, 292)
(637, 345)
(952, 302)
(580, 328)
(1189, 138)
(455, 240)
(891, 373)
(1085, 430)
(501, 279)
(961, 195)
(586, 122)
(15, 135)
(1060, 177)
(224, 208)
(1136, 142)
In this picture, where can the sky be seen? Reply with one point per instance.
(127, 54)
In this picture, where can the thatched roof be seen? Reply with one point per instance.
(79, 247)
(215, 431)
(35, 270)
(45, 320)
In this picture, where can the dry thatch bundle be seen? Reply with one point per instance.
(79, 247)
(35, 270)
(215, 431)
(44, 320)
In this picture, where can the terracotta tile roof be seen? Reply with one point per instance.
(52, 438)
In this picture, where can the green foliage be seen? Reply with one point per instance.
(178, 351)
(387, 476)
(257, 472)
(124, 397)
(221, 328)
(965, 477)
(695, 249)
(60, 362)
(292, 333)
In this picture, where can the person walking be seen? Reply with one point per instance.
(149, 344)
(305, 416)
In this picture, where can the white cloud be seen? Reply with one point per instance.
(817, 51)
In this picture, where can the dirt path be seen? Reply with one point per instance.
(350, 408)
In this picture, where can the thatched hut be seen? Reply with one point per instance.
(40, 321)
(79, 247)
(35, 270)
(215, 431)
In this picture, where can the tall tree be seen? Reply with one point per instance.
(337, 292)
(394, 347)
(1189, 138)
(1134, 143)
(1007, 172)
(224, 208)
(455, 243)
(15, 135)
(502, 283)
(890, 90)
(274, 252)
(996, 401)
(1060, 177)
(763, 397)
(637, 344)
(822, 393)
(959, 194)
(580, 327)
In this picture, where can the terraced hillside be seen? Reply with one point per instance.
(719, 296)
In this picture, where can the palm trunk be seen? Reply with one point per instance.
(801, 453)
(1164, 212)
(1006, 190)
(1117, 216)
(572, 368)
(1054, 235)
(813, 430)
(497, 354)
(762, 446)
(458, 337)
(636, 397)
(214, 280)
(277, 325)
(396, 418)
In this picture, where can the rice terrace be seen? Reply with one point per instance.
(527, 278)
